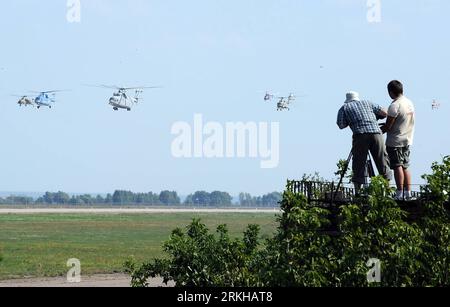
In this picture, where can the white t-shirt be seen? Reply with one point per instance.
(402, 132)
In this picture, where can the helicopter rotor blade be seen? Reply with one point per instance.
(48, 92)
(115, 87)
(141, 87)
(110, 87)
(92, 85)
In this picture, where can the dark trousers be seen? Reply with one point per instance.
(362, 145)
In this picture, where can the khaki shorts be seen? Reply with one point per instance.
(399, 157)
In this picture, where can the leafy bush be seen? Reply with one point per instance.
(377, 230)
(299, 254)
(438, 186)
(343, 171)
(436, 228)
(198, 258)
(436, 247)
(305, 253)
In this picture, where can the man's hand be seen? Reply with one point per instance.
(382, 114)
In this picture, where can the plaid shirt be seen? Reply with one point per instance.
(361, 116)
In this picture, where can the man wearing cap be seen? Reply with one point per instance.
(362, 117)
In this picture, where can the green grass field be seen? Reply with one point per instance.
(40, 245)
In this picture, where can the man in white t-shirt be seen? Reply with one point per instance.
(400, 135)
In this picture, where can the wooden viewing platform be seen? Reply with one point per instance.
(327, 192)
(325, 195)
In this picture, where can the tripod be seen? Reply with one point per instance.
(369, 172)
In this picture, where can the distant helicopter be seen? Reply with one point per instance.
(435, 105)
(268, 96)
(122, 100)
(285, 102)
(24, 100)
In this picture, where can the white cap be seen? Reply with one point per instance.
(352, 96)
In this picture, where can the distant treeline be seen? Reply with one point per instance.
(164, 198)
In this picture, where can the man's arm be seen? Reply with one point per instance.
(389, 124)
(382, 114)
(379, 111)
(342, 119)
(391, 118)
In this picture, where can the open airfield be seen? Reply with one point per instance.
(128, 210)
(36, 243)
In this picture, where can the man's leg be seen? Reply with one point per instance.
(406, 153)
(380, 156)
(396, 162)
(360, 152)
(399, 178)
(407, 180)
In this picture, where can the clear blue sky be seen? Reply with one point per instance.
(213, 57)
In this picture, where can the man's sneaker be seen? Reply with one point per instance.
(399, 196)
(409, 196)
(412, 198)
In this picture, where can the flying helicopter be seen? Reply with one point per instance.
(269, 96)
(122, 100)
(45, 99)
(285, 102)
(24, 100)
(435, 105)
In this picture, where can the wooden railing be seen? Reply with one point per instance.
(327, 195)
(328, 192)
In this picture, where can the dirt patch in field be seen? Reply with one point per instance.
(96, 281)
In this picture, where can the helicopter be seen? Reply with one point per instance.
(45, 99)
(122, 100)
(268, 96)
(285, 102)
(24, 100)
(435, 105)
